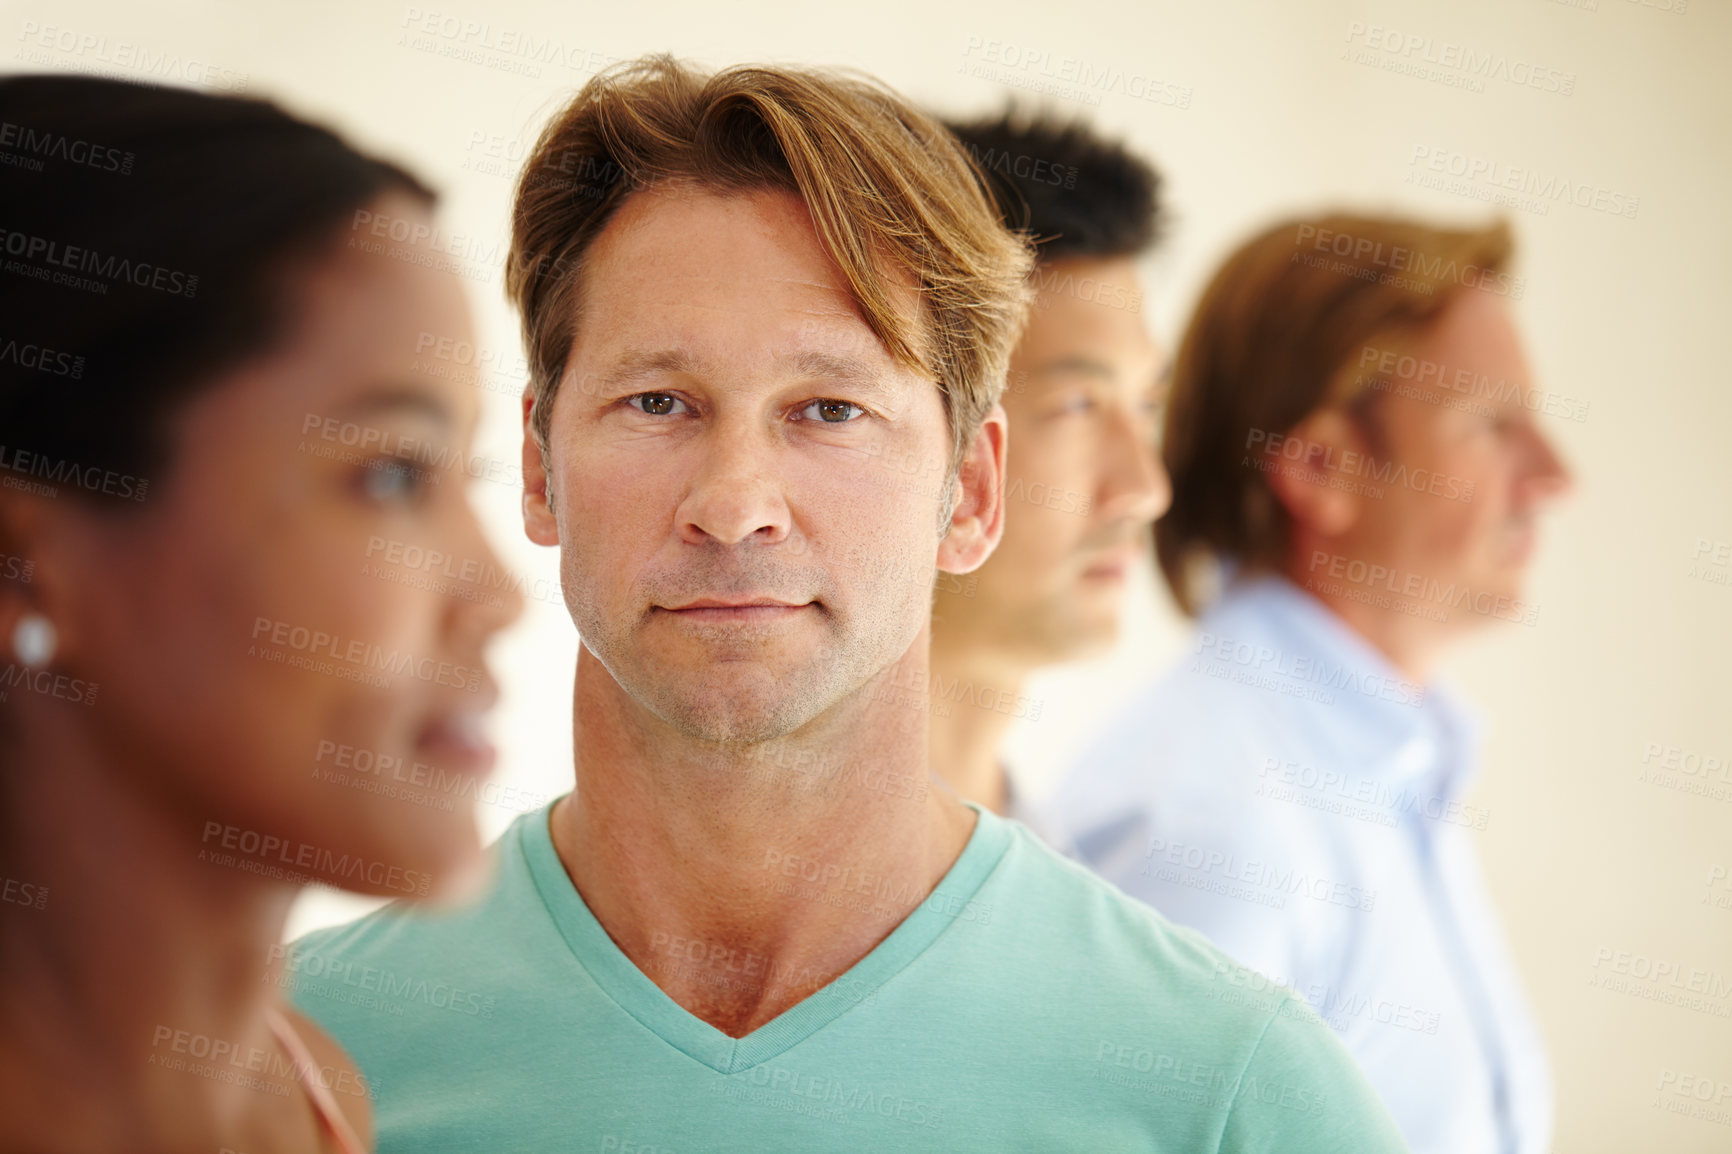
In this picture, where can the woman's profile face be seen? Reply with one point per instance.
(288, 632)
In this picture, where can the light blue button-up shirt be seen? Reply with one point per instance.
(1286, 791)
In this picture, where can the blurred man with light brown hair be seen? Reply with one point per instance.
(1357, 466)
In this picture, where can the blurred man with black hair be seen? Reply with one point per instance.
(1084, 481)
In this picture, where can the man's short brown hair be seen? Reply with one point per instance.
(891, 195)
(1278, 335)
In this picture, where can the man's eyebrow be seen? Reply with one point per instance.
(634, 367)
(1075, 363)
(400, 398)
(850, 372)
(1081, 365)
(643, 364)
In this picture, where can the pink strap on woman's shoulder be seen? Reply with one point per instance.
(343, 1135)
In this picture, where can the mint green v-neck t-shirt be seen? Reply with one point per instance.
(1025, 1005)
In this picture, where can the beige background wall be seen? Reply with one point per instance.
(1252, 109)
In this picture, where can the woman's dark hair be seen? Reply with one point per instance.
(147, 243)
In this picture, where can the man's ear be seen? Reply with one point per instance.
(977, 520)
(539, 523)
(1305, 487)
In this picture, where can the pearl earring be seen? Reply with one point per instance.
(34, 640)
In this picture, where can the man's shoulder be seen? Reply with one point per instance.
(412, 937)
(1068, 909)
(1152, 1005)
(392, 927)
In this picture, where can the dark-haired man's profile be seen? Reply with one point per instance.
(1083, 480)
(745, 929)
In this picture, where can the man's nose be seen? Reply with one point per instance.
(735, 493)
(1133, 482)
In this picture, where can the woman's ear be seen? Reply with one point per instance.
(33, 576)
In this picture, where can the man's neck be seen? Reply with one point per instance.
(685, 851)
(967, 737)
(1411, 643)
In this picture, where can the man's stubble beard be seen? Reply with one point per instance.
(755, 705)
(844, 662)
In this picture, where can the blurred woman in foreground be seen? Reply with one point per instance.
(213, 425)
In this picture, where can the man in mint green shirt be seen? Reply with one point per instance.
(1024, 1005)
(768, 314)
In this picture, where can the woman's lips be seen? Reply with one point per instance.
(458, 741)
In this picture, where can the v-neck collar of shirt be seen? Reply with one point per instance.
(634, 993)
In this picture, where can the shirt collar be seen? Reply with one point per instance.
(1432, 742)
